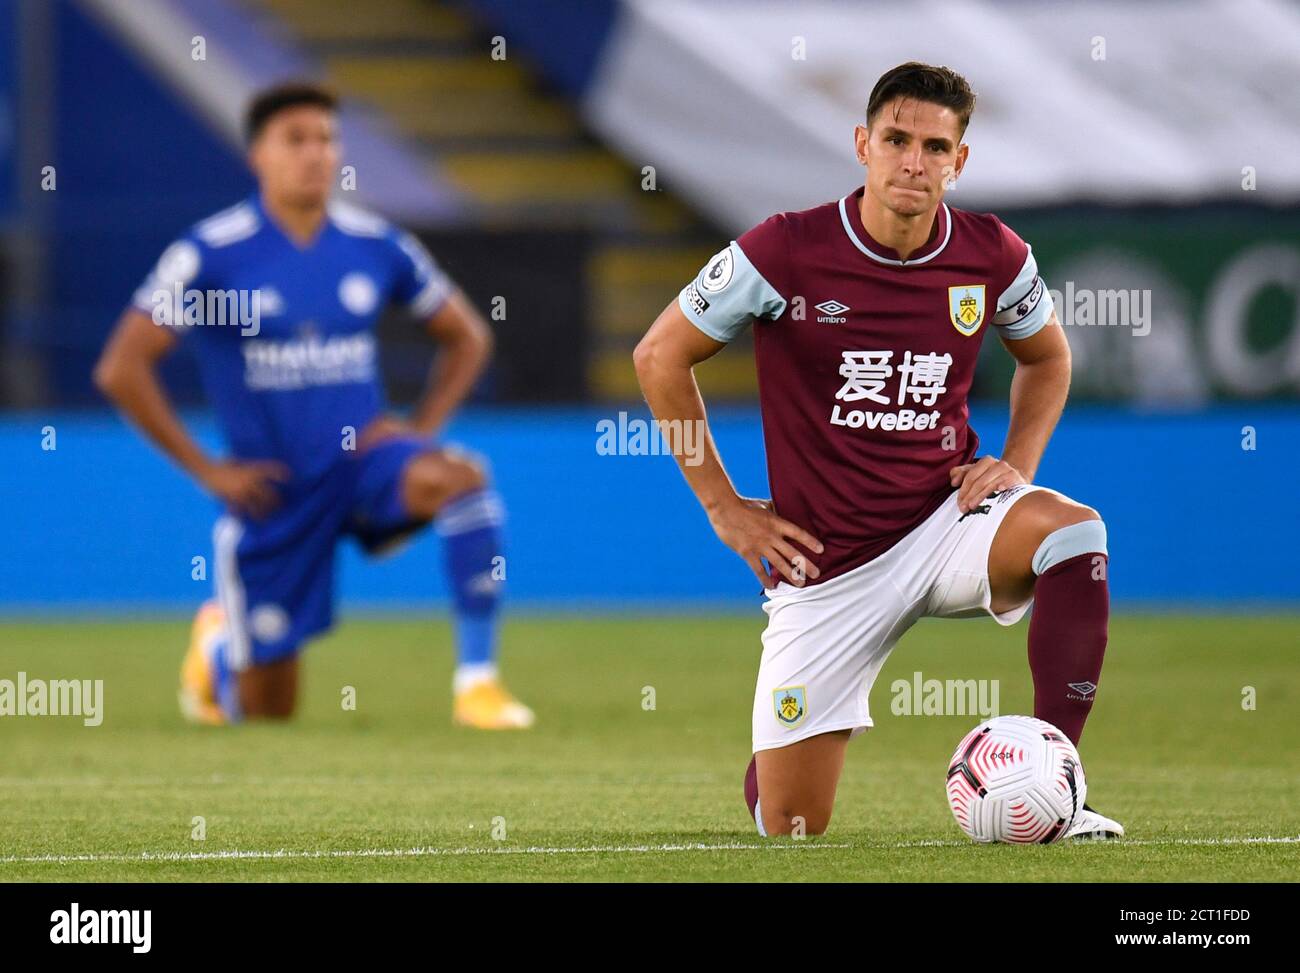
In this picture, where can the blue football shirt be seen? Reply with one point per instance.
(284, 333)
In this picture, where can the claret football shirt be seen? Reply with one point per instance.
(865, 360)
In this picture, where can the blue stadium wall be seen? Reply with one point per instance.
(102, 523)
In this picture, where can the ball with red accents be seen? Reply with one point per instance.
(1016, 779)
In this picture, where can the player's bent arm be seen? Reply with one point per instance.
(465, 343)
(1038, 392)
(126, 374)
(665, 360)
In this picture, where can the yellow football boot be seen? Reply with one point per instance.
(486, 705)
(198, 692)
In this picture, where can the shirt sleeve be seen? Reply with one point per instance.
(421, 285)
(183, 266)
(731, 291)
(1025, 305)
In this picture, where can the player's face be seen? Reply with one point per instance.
(911, 151)
(296, 155)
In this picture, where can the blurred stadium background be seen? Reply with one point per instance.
(581, 161)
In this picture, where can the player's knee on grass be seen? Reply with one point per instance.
(269, 691)
(797, 784)
(432, 480)
(791, 818)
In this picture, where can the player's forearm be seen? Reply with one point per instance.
(1038, 394)
(457, 368)
(136, 392)
(673, 396)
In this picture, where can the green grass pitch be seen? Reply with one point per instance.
(608, 789)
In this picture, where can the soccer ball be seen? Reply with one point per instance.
(1016, 779)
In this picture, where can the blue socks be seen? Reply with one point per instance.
(470, 526)
(225, 678)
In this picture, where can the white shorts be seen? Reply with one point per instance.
(825, 644)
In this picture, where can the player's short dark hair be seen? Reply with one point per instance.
(270, 102)
(924, 82)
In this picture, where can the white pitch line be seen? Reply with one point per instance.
(1119, 843)
(288, 854)
(283, 853)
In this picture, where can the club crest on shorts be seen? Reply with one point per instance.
(966, 307)
(790, 703)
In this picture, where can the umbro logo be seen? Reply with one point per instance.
(832, 312)
(1086, 690)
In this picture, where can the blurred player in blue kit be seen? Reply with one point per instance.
(278, 298)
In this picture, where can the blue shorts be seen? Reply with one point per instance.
(275, 577)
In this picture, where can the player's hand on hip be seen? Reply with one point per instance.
(753, 530)
(248, 487)
(976, 482)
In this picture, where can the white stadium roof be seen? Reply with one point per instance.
(1164, 101)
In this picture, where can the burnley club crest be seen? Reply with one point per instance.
(966, 307)
(791, 705)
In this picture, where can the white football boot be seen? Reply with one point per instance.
(1091, 826)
